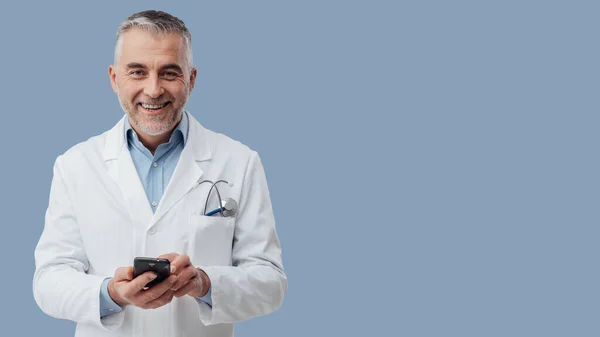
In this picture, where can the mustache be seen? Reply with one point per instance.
(154, 101)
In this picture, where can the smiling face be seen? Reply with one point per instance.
(153, 80)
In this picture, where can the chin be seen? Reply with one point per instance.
(156, 128)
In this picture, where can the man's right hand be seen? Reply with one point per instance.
(124, 289)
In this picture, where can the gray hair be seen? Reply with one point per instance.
(157, 23)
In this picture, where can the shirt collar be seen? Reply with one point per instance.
(182, 128)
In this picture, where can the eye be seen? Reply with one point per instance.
(170, 74)
(137, 73)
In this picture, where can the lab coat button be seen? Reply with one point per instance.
(152, 231)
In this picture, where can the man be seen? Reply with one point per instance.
(141, 190)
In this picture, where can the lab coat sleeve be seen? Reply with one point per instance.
(255, 284)
(61, 286)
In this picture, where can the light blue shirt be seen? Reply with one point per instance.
(154, 171)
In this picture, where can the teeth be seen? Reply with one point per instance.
(150, 106)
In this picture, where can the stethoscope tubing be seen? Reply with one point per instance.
(215, 211)
(214, 185)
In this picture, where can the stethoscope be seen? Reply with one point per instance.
(227, 206)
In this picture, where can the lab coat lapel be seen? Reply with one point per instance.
(122, 170)
(187, 172)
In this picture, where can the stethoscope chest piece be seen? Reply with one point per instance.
(230, 207)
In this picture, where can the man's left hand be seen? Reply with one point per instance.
(190, 280)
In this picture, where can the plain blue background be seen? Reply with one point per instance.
(433, 165)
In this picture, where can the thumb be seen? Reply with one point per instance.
(169, 256)
(124, 274)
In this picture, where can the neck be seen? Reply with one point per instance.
(152, 142)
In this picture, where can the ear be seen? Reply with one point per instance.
(112, 74)
(193, 74)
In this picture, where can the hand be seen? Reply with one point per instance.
(124, 289)
(190, 281)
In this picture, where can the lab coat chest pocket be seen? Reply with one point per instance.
(210, 239)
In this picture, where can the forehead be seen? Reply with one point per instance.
(144, 47)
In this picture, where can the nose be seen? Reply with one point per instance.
(153, 88)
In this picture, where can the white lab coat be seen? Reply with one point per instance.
(99, 218)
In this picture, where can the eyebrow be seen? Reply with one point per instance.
(172, 66)
(135, 65)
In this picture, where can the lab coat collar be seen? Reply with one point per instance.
(186, 175)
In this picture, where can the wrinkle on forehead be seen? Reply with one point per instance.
(152, 49)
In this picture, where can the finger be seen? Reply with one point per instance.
(140, 282)
(165, 298)
(192, 285)
(131, 289)
(169, 256)
(181, 262)
(156, 291)
(123, 274)
(184, 276)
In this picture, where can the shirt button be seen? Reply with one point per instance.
(111, 309)
(155, 164)
(154, 203)
(152, 231)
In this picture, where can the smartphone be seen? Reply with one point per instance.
(162, 267)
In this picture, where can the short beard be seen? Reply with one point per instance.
(146, 129)
(163, 127)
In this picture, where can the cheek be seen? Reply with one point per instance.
(177, 90)
(129, 91)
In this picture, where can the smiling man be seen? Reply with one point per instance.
(145, 188)
(153, 77)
